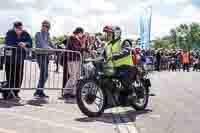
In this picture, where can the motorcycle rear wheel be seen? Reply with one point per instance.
(142, 93)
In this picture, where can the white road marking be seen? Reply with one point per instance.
(124, 127)
(131, 125)
(3, 130)
(155, 116)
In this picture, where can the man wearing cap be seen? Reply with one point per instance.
(19, 39)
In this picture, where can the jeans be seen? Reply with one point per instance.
(43, 63)
(186, 67)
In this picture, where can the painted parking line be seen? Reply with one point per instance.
(123, 124)
(3, 130)
(130, 124)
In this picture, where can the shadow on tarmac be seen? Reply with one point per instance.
(110, 117)
(38, 102)
(10, 103)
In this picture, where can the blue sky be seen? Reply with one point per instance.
(65, 15)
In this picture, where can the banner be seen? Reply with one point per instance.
(145, 27)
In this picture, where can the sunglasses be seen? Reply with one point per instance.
(46, 26)
(19, 28)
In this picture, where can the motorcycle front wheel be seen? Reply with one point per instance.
(91, 98)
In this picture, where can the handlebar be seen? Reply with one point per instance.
(94, 60)
(98, 59)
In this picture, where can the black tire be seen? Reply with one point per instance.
(5, 95)
(143, 107)
(80, 103)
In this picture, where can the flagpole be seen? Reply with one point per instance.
(150, 25)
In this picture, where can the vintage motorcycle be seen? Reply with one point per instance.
(98, 90)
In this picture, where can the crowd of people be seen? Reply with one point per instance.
(171, 60)
(87, 45)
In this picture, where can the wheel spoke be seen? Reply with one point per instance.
(84, 98)
(92, 90)
(99, 98)
(98, 105)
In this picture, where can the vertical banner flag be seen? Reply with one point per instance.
(145, 27)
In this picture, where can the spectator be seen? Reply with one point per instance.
(19, 39)
(185, 60)
(74, 58)
(178, 61)
(58, 55)
(64, 62)
(196, 63)
(42, 41)
(158, 60)
(92, 43)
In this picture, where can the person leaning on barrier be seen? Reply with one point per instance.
(75, 44)
(19, 40)
(58, 56)
(43, 42)
(63, 62)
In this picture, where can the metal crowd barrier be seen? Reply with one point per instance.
(20, 69)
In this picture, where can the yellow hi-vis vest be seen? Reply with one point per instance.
(116, 48)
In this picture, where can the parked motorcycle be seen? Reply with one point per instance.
(98, 90)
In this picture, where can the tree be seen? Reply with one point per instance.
(158, 43)
(98, 34)
(184, 36)
(58, 40)
(1, 40)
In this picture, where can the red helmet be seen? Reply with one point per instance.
(108, 29)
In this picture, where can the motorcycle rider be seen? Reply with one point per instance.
(118, 55)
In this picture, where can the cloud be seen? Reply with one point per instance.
(191, 14)
(65, 15)
(175, 2)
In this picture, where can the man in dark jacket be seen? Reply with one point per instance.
(158, 60)
(18, 40)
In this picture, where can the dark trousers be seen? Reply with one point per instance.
(127, 74)
(43, 63)
(14, 75)
(65, 73)
(195, 67)
(172, 67)
(57, 61)
(178, 66)
(158, 66)
(186, 67)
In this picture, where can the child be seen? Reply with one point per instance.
(196, 63)
(172, 64)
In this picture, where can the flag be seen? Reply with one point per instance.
(145, 27)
